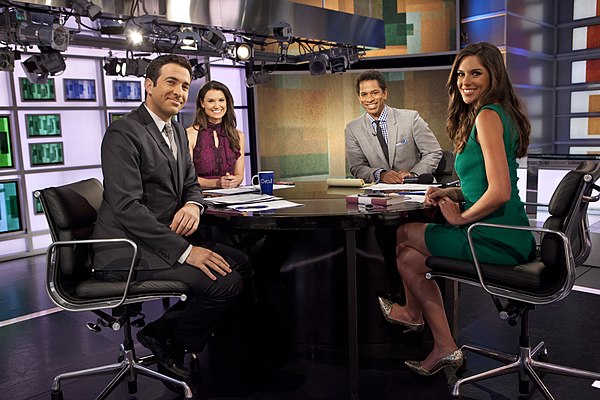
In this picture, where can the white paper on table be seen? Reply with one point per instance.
(228, 191)
(244, 198)
(265, 205)
(402, 186)
(279, 186)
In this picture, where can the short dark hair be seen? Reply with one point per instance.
(154, 68)
(371, 75)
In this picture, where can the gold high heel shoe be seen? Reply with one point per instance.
(452, 361)
(386, 309)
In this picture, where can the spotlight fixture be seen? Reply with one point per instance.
(113, 66)
(338, 64)
(135, 66)
(39, 66)
(318, 65)
(215, 38)
(282, 31)
(7, 60)
(125, 66)
(86, 8)
(198, 69)
(188, 38)
(239, 51)
(256, 78)
(53, 36)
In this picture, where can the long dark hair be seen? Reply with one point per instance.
(461, 116)
(229, 121)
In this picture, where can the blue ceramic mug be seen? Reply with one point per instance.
(265, 182)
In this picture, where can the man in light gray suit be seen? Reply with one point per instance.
(388, 144)
(151, 196)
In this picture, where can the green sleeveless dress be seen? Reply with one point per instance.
(492, 245)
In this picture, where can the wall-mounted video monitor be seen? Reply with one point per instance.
(37, 91)
(39, 125)
(6, 154)
(37, 205)
(80, 90)
(10, 207)
(46, 153)
(127, 91)
(112, 117)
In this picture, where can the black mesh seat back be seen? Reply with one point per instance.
(71, 212)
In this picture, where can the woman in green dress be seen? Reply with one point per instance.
(490, 131)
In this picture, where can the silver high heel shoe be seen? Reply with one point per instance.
(452, 361)
(386, 309)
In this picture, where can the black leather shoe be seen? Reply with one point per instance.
(165, 354)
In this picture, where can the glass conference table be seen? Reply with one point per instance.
(323, 208)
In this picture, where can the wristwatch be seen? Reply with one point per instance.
(414, 174)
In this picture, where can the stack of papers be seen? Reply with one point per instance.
(264, 205)
(243, 198)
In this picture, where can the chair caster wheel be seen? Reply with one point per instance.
(56, 395)
(132, 387)
(543, 357)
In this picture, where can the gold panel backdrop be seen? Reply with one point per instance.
(301, 118)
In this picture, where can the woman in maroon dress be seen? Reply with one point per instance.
(216, 145)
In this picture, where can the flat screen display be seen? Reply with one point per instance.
(6, 154)
(46, 153)
(37, 91)
(127, 91)
(112, 117)
(42, 125)
(10, 207)
(80, 89)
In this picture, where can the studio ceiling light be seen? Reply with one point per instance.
(215, 38)
(7, 60)
(53, 36)
(86, 8)
(239, 51)
(188, 39)
(256, 78)
(39, 66)
(318, 65)
(198, 69)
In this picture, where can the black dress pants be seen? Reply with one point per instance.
(191, 322)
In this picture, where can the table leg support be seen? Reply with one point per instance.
(352, 313)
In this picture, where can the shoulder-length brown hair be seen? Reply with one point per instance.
(461, 116)
(229, 121)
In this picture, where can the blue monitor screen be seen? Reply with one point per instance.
(80, 89)
(127, 90)
(10, 214)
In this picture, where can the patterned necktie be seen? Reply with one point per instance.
(382, 142)
(169, 131)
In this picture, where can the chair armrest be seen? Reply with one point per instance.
(65, 243)
(569, 262)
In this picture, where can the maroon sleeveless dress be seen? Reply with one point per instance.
(213, 162)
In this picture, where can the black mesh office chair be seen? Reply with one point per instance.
(71, 211)
(564, 244)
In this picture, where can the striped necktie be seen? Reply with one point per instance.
(169, 131)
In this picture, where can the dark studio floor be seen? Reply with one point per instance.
(34, 350)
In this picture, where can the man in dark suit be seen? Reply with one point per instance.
(152, 197)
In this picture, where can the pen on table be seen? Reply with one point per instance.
(413, 193)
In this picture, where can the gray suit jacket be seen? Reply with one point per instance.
(144, 186)
(411, 145)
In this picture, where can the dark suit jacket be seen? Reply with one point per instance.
(144, 186)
